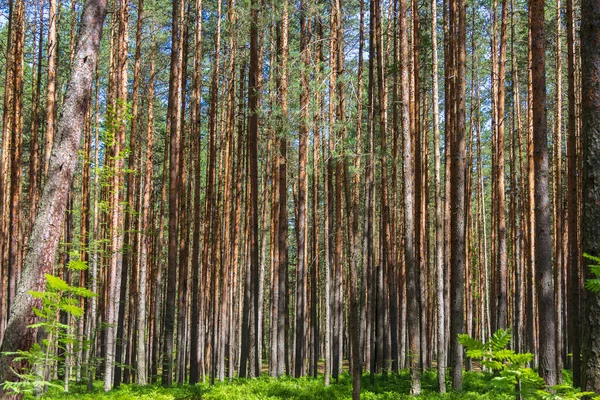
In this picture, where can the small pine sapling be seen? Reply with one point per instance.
(42, 357)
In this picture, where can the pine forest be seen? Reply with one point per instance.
(309, 199)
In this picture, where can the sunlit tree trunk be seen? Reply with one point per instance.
(51, 93)
(40, 255)
(174, 117)
(142, 371)
(572, 206)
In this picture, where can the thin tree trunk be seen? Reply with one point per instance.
(409, 215)
(196, 344)
(119, 126)
(558, 202)
(174, 114)
(51, 84)
(301, 271)
(142, 371)
(439, 216)
(572, 207)
(251, 314)
(501, 253)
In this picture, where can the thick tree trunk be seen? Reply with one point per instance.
(590, 118)
(543, 240)
(43, 241)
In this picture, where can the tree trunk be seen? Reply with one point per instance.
(501, 256)
(43, 241)
(51, 84)
(196, 326)
(174, 117)
(458, 216)
(410, 261)
(572, 207)
(439, 216)
(590, 118)
(543, 240)
(142, 371)
(301, 272)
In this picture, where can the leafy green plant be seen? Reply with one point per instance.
(593, 285)
(511, 371)
(42, 357)
(510, 368)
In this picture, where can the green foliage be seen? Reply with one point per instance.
(510, 373)
(593, 285)
(510, 368)
(476, 386)
(41, 357)
(383, 387)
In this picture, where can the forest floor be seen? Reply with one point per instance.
(388, 387)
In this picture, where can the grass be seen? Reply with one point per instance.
(384, 387)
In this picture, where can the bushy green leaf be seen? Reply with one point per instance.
(469, 343)
(83, 292)
(593, 285)
(500, 339)
(54, 282)
(72, 309)
(77, 265)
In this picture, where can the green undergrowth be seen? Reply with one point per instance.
(384, 387)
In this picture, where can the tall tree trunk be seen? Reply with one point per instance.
(410, 261)
(439, 216)
(34, 149)
(51, 93)
(301, 271)
(128, 180)
(142, 371)
(16, 133)
(590, 118)
(174, 117)
(282, 342)
(558, 199)
(119, 127)
(572, 207)
(250, 323)
(40, 256)
(457, 220)
(543, 240)
(195, 118)
(501, 253)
